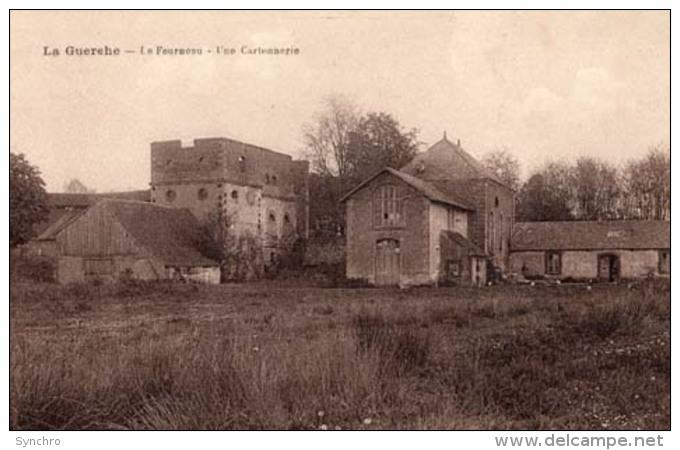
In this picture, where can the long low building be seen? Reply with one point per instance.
(115, 239)
(603, 250)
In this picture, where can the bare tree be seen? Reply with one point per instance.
(597, 190)
(502, 163)
(327, 138)
(648, 185)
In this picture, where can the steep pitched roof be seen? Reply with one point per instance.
(58, 220)
(429, 190)
(447, 161)
(172, 235)
(603, 235)
(462, 241)
(64, 206)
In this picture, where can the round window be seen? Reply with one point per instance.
(202, 194)
(170, 195)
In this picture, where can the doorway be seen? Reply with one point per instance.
(608, 267)
(387, 262)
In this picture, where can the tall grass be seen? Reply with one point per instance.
(185, 357)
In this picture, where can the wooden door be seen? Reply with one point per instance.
(608, 267)
(387, 262)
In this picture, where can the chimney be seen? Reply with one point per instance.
(458, 143)
(444, 135)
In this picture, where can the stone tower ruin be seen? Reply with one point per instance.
(253, 200)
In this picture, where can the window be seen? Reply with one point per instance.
(266, 178)
(455, 219)
(242, 163)
(491, 233)
(553, 263)
(286, 219)
(665, 261)
(453, 268)
(202, 194)
(387, 207)
(170, 195)
(274, 180)
(272, 217)
(234, 195)
(496, 202)
(501, 236)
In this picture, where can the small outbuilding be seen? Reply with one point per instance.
(116, 239)
(603, 250)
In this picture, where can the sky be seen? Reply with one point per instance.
(545, 85)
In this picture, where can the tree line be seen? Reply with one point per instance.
(593, 189)
(346, 145)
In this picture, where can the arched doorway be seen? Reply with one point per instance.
(387, 262)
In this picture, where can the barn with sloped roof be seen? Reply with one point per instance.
(592, 250)
(115, 239)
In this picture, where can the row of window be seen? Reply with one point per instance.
(553, 262)
(202, 194)
(271, 179)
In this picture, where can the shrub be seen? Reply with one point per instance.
(33, 268)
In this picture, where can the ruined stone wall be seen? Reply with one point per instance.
(261, 196)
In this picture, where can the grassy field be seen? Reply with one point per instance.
(266, 356)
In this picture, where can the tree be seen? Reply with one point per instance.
(542, 200)
(344, 147)
(27, 199)
(75, 186)
(648, 185)
(597, 190)
(326, 139)
(379, 141)
(502, 163)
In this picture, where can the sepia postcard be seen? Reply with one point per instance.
(341, 221)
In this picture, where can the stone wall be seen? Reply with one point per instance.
(261, 195)
(582, 264)
(413, 236)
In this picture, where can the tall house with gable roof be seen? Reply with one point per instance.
(441, 219)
